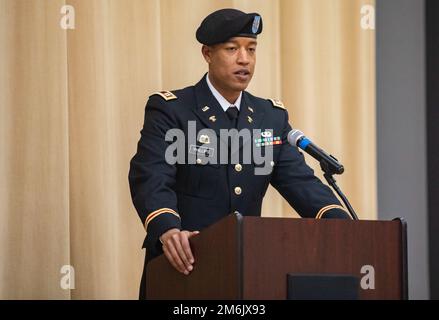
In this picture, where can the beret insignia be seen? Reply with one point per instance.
(256, 23)
(167, 95)
(277, 103)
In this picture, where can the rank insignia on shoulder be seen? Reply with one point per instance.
(277, 103)
(167, 95)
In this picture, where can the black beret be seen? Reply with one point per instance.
(224, 24)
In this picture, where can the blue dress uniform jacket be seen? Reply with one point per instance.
(194, 196)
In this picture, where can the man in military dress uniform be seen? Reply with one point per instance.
(176, 201)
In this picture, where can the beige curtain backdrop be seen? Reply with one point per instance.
(72, 105)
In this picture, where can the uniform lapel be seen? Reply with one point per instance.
(250, 117)
(250, 114)
(208, 109)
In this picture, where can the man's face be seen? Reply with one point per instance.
(232, 64)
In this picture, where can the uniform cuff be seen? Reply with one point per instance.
(333, 211)
(160, 221)
(159, 216)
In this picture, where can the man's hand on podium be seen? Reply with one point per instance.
(177, 249)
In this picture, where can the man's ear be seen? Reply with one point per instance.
(207, 53)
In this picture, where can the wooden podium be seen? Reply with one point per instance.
(250, 257)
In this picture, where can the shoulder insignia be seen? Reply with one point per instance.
(277, 103)
(167, 95)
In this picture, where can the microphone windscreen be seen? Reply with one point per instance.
(294, 136)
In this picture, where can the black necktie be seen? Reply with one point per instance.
(232, 113)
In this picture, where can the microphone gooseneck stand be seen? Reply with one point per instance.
(329, 171)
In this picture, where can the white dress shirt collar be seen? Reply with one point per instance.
(221, 100)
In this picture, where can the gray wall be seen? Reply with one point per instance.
(401, 108)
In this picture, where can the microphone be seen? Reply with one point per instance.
(297, 139)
